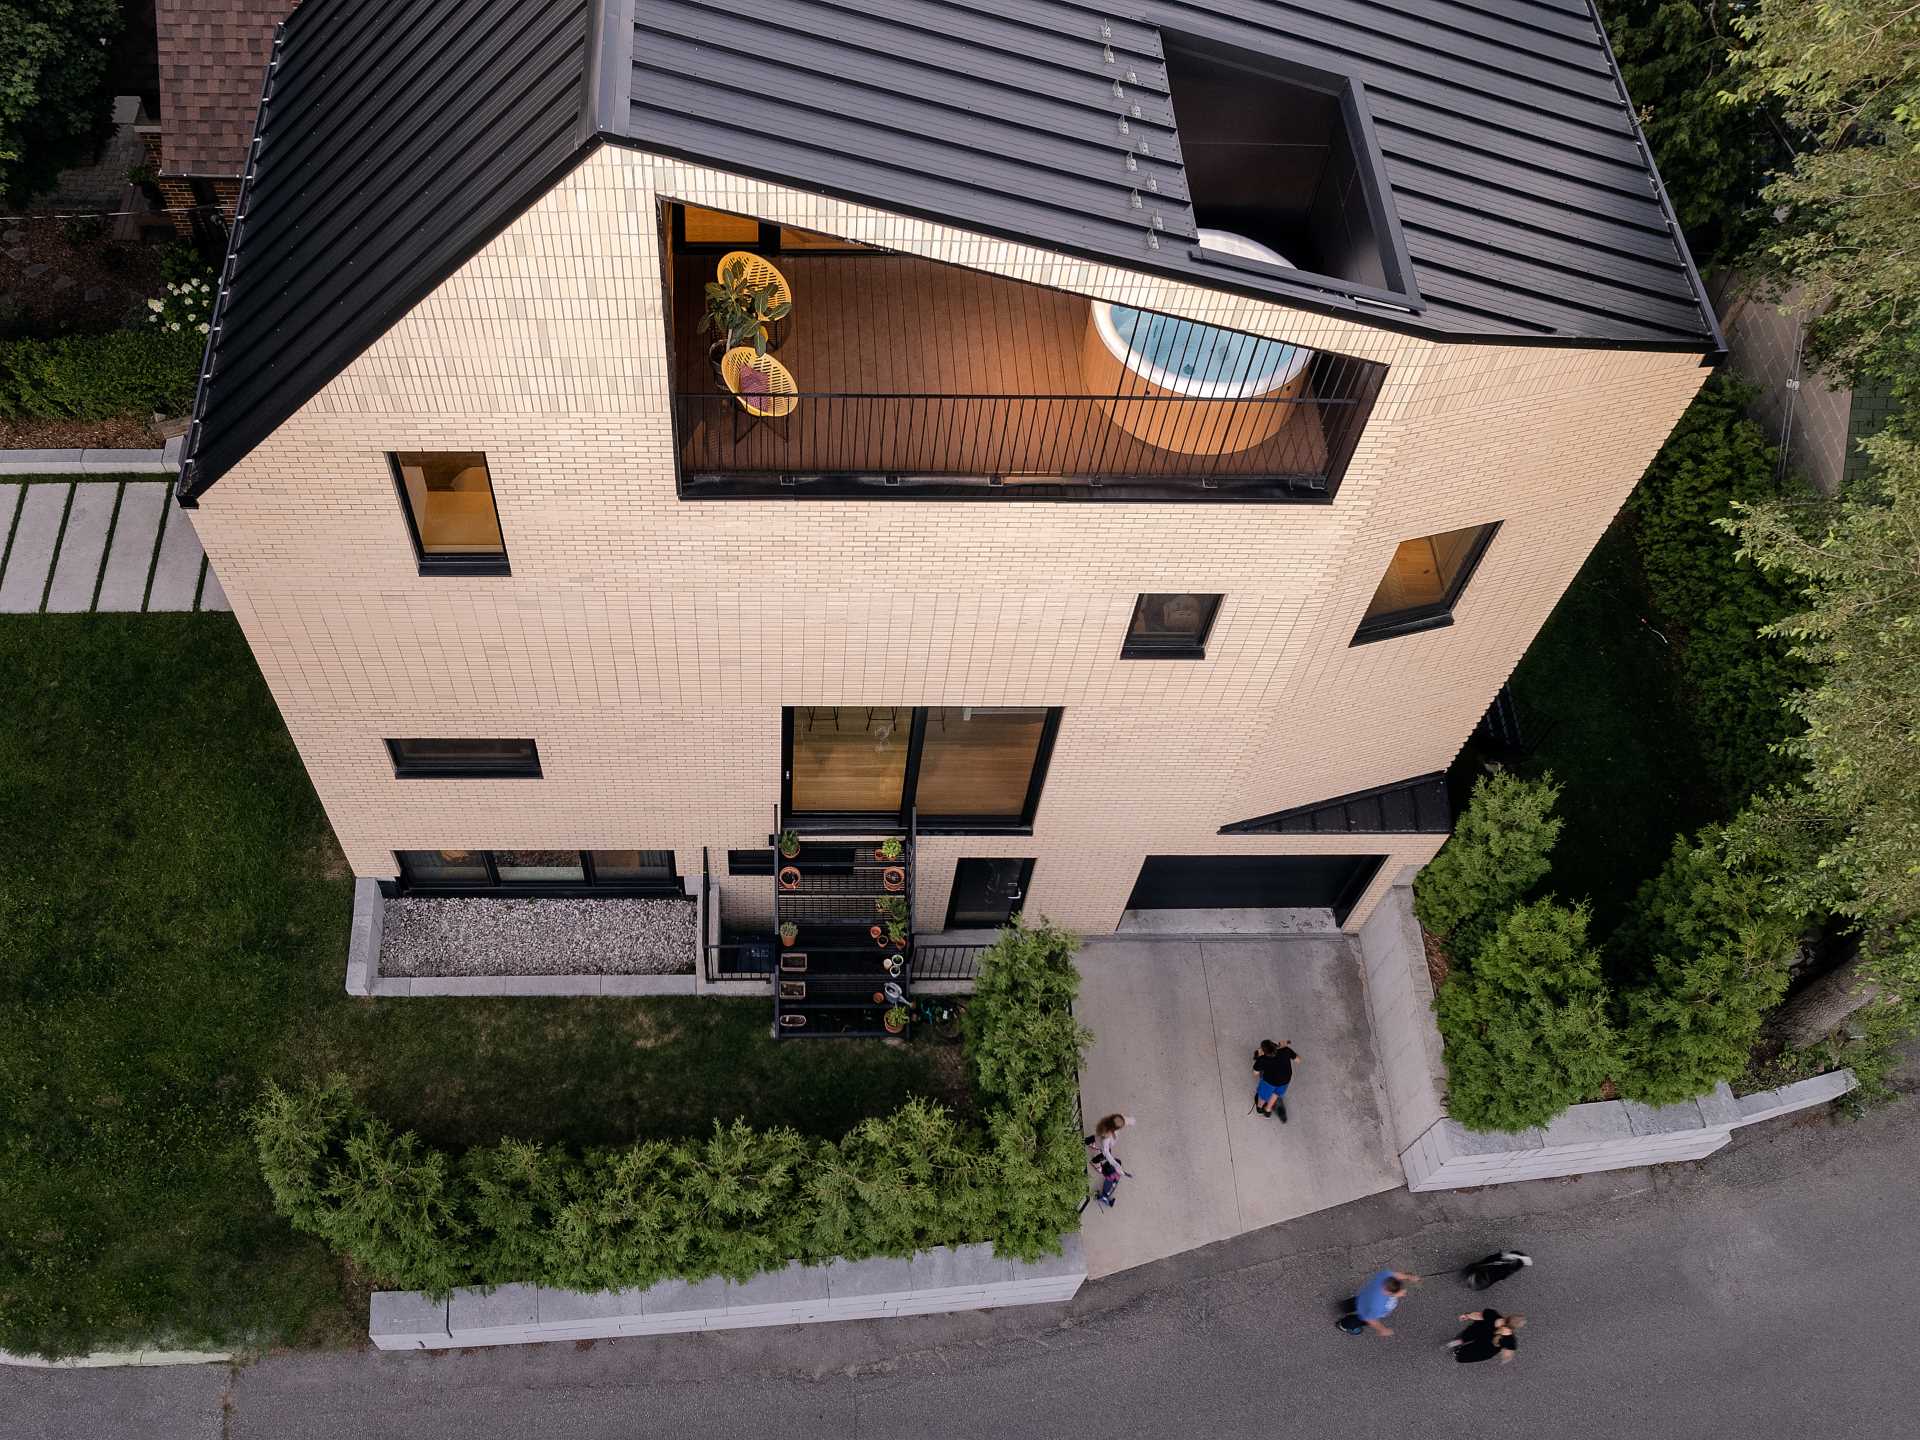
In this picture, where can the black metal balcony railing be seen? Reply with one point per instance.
(1033, 446)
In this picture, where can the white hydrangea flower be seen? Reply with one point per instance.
(174, 326)
(202, 327)
(156, 304)
(172, 289)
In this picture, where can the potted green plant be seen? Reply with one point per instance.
(889, 850)
(892, 907)
(896, 933)
(740, 310)
(789, 932)
(894, 878)
(789, 844)
(896, 1020)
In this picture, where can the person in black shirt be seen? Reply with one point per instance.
(1489, 1333)
(1273, 1063)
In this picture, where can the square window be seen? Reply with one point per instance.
(448, 499)
(1423, 583)
(464, 759)
(1170, 627)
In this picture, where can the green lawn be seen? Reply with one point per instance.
(173, 922)
(1600, 706)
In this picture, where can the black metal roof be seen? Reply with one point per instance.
(1413, 807)
(396, 139)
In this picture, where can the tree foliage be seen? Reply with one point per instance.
(735, 1203)
(1715, 605)
(1525, 1026)
(1711, 955)
(1846, 74)
(54, 109)
(1675, 56)
(1497, 853)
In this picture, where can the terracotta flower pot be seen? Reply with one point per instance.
(789, 877)
(879, 935)
(894, 878)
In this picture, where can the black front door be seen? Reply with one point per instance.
(987, 893)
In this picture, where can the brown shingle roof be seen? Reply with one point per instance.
(213, 58)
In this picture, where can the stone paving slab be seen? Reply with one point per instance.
(213, 595)
(32, 554)
(130, 558)
(9, 502)
(77, 571)
(176, 574)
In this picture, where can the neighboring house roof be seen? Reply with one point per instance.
(1413, 807)
(213, 54)
(398, 139)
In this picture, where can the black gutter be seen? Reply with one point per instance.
(1719, 347)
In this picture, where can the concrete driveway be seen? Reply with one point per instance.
(1175, 1025)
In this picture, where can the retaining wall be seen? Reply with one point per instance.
(165, 461)
(1440, 1154)
(931, 1282)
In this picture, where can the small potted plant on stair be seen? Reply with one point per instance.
(888, 851)
(789, 877)
(789, 932)
(896, 1020)
(894, 879)
(789, 844)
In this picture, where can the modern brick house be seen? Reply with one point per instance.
(1185, 418)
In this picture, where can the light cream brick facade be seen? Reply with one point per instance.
(649, 643)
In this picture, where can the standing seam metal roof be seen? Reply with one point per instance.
(394, 140)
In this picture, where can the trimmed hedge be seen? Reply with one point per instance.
(1497, 853)
(1715, 603)
(740, 1201)
(100, 377)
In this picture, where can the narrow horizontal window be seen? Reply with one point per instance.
(1170, 627)
(447, 497)
(464, 759)
(1424, 581)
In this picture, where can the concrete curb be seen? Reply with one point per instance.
(165, 461)
(1441, 1154)
(930, 1282)
(111, 1359)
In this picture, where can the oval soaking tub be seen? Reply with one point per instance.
(1151, 372)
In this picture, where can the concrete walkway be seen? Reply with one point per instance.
(1175, 1025)
(100, 545)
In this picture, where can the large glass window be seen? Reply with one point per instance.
(468, 759)
(961, 766)
(1423, 582)
(448, 498)
(849, 758)
(979, 761)
(573, 872)
(1170, 627)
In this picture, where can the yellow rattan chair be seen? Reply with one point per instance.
(772, 396)
(759, 271)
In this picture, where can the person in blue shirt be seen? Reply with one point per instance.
(1377, 1299)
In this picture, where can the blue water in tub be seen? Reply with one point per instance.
(1205, 354)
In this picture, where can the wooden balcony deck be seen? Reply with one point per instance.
(907, 366)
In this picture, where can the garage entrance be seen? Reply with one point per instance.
(1254, 882)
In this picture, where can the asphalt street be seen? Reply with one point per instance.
(1769, 1291)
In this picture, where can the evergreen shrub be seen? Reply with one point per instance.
(738, 1202)
(1498, 852)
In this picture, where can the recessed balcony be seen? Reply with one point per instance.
(895, 376)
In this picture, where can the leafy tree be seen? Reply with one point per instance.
(1526, 1027)
(1498, 852)
(1846, 74)
(1713, 156)
(54, 109)
(1714, 955)
(1713, 604)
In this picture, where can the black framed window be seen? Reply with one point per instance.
(1170, 627)
(539, 872)
(1424, 581)
(464, 759)
(447, 497)
(962, 767)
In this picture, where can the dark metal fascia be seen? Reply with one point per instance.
(1717, 342)
(609, 93)
(1267, 824)
(187, 486)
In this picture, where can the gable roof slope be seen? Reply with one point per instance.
(394, 140)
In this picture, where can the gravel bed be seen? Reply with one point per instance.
(475, 935)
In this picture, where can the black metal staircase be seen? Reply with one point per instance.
(850, 957)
